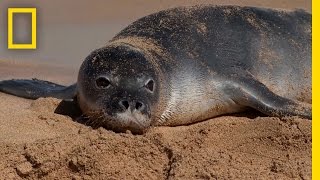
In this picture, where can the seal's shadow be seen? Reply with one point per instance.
(69, 108)
(250, 113)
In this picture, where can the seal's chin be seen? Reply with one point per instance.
(133, 121)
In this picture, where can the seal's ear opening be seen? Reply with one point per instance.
(69, 107)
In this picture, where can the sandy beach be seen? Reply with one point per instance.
(36, 143)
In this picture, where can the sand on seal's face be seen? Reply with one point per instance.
(36, 143)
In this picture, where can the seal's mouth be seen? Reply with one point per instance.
(133, 121)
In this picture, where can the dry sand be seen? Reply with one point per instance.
(37, 143)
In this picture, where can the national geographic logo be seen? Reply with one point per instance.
(12, 40)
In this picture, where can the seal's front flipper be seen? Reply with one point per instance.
(33, 89)
(247, 91)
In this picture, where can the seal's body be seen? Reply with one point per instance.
(186, 65)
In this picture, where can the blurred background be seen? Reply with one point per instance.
(68, 30)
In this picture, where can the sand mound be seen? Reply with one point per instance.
(37, 143)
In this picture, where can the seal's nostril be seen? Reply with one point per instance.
(139, 106)
(124, 104)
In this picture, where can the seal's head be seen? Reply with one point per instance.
(117, 88)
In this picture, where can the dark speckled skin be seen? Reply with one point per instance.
(128, 71)
(204, 60)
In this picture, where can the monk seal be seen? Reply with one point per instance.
(189, 64)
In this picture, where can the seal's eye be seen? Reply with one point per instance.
(150, 85)
(102, 82)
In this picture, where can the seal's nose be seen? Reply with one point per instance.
(138, 105)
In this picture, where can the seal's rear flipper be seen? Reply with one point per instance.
(33, 89)
(252, 93)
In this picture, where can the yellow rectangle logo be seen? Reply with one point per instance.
(33, 44)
